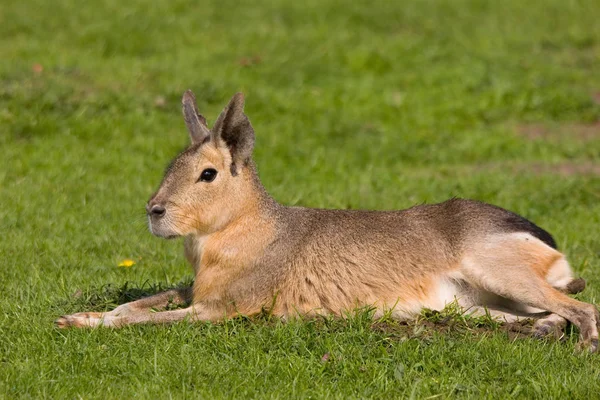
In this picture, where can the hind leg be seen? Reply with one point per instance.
(535, 292)
(513, 266)
(545, 324)
(507, 310)
(560, 277)
(502, 314)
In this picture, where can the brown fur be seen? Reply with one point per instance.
(250, 252)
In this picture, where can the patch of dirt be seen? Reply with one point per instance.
(250, 61)
(533, 131)
(564, 169)
(578, 131)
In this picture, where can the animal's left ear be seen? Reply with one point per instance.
(234, 129)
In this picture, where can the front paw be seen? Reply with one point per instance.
(83, 320)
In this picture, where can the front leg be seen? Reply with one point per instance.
(146, 305)
(196, 312)
(178, 297)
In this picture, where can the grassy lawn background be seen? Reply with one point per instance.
(376, 104)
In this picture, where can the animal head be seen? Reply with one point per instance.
(207, 185)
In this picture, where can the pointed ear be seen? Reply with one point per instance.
(234, 129)
(196, 123)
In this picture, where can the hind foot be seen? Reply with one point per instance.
(588, 322)
(551, 325)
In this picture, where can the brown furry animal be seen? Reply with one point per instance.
(250, 252)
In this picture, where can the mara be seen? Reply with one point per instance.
(249, 252)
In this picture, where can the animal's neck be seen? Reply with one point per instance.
(246, 232)
(266, 205)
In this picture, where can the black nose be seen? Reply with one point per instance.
(156, 210)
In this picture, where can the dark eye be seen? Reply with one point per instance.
(208, 175)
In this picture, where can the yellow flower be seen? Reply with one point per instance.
(126, 263)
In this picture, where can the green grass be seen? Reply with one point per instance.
(377, 104)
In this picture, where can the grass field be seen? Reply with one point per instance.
(378, 105)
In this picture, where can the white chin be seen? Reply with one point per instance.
(160, 232)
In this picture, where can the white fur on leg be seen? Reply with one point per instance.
(559, 274)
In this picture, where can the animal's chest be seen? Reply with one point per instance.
(193, 252)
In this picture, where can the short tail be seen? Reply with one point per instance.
(575, 286)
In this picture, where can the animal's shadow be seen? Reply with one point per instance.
(109, 296)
